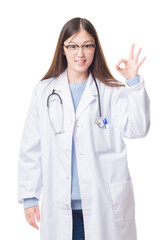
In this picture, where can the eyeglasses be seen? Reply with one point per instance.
(73, 49)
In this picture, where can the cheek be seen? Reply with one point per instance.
(90, 58)
(70, 59)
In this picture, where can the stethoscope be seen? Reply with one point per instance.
(99, 121)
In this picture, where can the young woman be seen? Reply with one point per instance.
(72, 145)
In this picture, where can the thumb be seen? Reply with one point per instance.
(117, 67)
(121, 61)
(37, 211)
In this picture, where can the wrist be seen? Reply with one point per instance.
(133, 81)
(131, 76)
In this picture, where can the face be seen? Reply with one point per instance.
(80, 61)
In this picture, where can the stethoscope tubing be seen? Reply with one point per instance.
(98, 96)
(99, 120)
(48, 110)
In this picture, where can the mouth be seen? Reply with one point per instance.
(80, 61)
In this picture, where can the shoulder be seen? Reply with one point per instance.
(111, 91)
(41, 86)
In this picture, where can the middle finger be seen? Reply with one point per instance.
(131, 51)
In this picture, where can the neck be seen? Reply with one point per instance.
(76, 77)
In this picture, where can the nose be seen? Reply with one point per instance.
(80, 52)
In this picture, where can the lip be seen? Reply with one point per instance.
(80, 63)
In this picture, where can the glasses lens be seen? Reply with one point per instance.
(88, 48)
(73, 49)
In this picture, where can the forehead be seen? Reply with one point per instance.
(80, 37)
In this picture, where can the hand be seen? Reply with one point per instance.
(131, 65)
(30, 216)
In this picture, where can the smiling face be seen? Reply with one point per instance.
(80, 61)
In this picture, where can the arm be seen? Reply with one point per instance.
(29, 165)
(132, 110)
(132, 104)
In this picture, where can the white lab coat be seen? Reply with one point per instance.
(105, 183)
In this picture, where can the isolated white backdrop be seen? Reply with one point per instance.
(29, 33)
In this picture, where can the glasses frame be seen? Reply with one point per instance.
(67, 46)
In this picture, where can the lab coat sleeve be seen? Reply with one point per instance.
(132, 109)
(29, 164)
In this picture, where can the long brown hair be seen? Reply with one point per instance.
(98, 68)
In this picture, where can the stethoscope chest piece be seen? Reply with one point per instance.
(99, 122)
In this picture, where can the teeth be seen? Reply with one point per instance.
(81, 61)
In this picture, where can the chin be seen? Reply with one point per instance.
(82, 69)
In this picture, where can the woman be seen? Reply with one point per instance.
(77, 156)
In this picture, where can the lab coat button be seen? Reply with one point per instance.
(67, 177)
(66, 206)
(67, 149)
(85, 181)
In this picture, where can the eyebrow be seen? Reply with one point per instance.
(84, 42)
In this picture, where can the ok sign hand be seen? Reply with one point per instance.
(131, 65)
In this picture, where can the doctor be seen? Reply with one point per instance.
(72, 153)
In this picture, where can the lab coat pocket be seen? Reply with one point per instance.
(102, 137)
(123, 203)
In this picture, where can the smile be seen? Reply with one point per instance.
(81, 61)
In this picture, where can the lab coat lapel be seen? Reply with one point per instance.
(62, 87)
(89, 95)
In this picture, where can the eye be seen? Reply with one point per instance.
(88, 46)
(73, 47)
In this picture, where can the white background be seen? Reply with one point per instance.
(29, 33)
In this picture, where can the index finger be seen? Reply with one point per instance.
(122, 60)
(131, 51)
